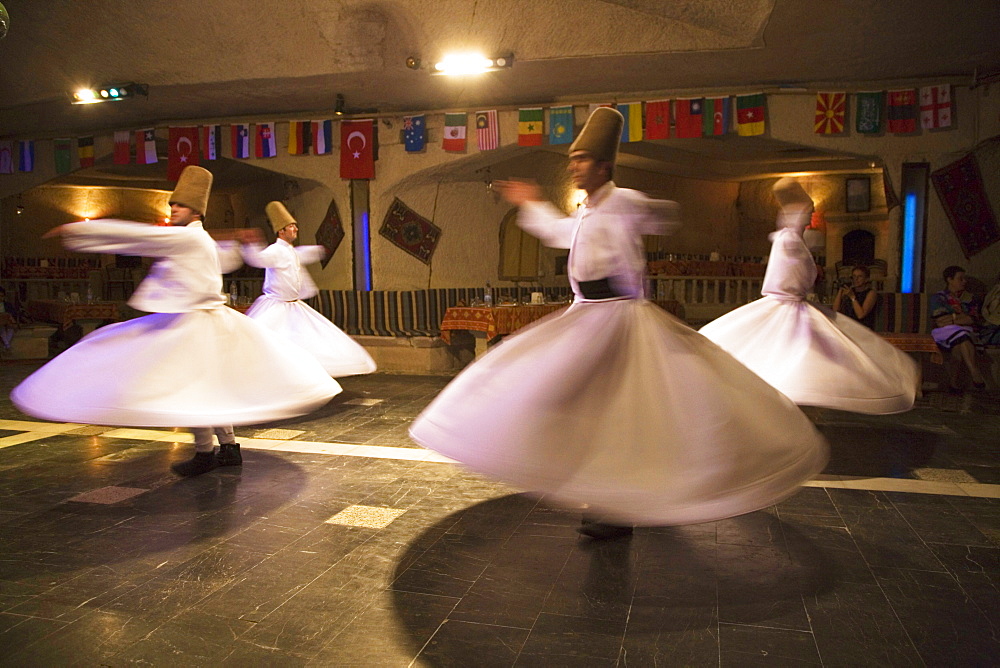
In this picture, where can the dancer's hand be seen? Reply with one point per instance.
(517, 191)
(54, 232)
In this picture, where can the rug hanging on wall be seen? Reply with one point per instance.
(960, 188)
(330, 233)
(410, 231)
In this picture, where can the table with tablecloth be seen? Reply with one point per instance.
(494, 321)
(706, 268)
(67, 313)
(914, 343)
(498, 321)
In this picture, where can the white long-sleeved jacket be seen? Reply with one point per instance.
(187, 274)
(286, 277)
(605, 235)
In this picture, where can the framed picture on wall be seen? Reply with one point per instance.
(859, 194)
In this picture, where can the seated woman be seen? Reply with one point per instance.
(956, 315)
(858, 299)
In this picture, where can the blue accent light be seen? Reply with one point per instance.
(909, 242)
(366, 251)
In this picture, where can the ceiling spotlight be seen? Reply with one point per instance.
(339, 108)
(413, 63)
(109, 93)
(472, 63)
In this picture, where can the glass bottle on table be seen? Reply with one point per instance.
(488, 296)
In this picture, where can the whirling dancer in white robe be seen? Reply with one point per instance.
(615, 404)
(281, 309)
(193, 362)
(813, 355)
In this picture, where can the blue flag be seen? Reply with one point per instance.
(561, 125)
(414, 133)
(27, 156)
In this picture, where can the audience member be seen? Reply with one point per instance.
(956, 317)
(858, 299)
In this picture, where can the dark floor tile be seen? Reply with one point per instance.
(854, 624)
(761, 528)
(596, 582)
(190, 638)
(681, 633)
(89, 641)
(967, 558)
(754, 645)
(450, 567)
(19, 634)
(245, 654)
(557, 640)
(881, 533)
(946, 627)
(466, 644)
(389, 632)
(934, 519)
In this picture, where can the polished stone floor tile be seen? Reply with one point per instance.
(888, 558)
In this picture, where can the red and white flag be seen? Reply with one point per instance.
(211, 142)
(487, 130)
(935, 107)
(357, 156)
(182, 150)
(122, 146)
(264, 141)
(145, 147)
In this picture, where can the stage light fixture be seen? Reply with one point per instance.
(472, 63)
(109, 93)
(339, 108)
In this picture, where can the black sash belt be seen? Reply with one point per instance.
(599, 289)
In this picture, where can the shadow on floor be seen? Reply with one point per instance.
(536, 574)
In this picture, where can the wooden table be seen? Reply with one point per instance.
(914, 343)
(65, 314)
(497, 321)
(493, 321)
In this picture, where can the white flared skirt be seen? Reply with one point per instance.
(200, 369)
(817, 357)
(619, 406)
(296, 322)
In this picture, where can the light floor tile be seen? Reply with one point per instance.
(980, 489)
(151, 435)
(108, 495)
(370, 517)
(902, 485)
(27, 437)
(943, 475)
(49, 427)
(281, 434)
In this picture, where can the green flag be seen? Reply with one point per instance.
(63, 155)
(869, 112)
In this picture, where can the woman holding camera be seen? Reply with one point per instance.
(857, 300)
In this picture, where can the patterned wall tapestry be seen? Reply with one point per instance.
(330, 233)
(410, 231)
(960, 187)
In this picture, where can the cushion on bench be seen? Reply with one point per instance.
(902, 313)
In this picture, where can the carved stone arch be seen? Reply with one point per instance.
(519, 251)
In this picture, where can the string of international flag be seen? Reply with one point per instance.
(894, 111)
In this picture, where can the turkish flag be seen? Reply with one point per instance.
(182, 150)
(357, 156)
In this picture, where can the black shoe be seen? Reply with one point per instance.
(600, 531)
(229, 454)
(979, 386)
(202, 462)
